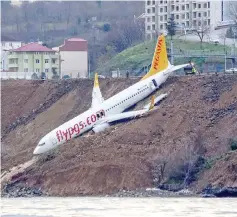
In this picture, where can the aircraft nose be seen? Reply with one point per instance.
(37, 150)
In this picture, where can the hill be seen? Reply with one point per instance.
(191, 136)
(136, 57)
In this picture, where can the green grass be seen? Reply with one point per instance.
(136, 57)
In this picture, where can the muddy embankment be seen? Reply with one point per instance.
(187, 142)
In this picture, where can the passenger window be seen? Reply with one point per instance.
(98, 115)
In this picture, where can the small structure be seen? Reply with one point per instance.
(73, 58)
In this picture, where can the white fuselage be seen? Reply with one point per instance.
(114, 105)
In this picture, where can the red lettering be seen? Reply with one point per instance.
(70, 132)
(93, 118)
(61, 134)
(81, 125)
(65, 134)
(76, 129)
(88, 121)
(58, 136)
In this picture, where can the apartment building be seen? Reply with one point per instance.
(33, 57)
(7, 43)
(74, 58)
(187, 14)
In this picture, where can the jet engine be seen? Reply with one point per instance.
(100, 127)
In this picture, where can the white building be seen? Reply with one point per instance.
(73, 58)
(7, 43)
(187, 13)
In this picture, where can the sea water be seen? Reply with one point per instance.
(110, 206)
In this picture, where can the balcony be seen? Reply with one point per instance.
(13, 56)
(13, 65)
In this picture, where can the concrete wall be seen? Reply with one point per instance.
(74, 63)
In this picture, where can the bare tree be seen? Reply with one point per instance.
(222, 36)
(233, 11)
(201, 31)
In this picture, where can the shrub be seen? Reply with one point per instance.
(106, 27)
(233, 144)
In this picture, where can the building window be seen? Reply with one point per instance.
(148, 10)
(153, 19)
(161, 26)
(209, 22)
(187, 15)
(183, 16)
(153, 2)
(165, 17)
(3, 44)
(161, 10)
(153, 10)
(183, 7)
(177, 16)
(205, 5)
(172, 8)
(37, 61)
(53, 61)
(199, 14)
(208, 4)
(153, 27)
(148, 27)
(25, 60)
(208, 13)
(194, 5)
(37, 70)
(194, 14)
(37, 52)
(199, 6)
(161, 1)
(25, 69)
(177, 8)
(148, 2)
(205, 14)
(187, 23)
(161, 18)
(46, 61)
(187, 6)
(148, 19)
(165, 8)
(46, 70)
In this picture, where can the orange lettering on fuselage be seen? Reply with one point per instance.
(157, 55)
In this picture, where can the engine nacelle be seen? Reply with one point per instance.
(100, 127)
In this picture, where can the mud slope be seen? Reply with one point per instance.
(198, 118)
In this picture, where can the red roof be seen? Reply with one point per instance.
(33, 47)
(74, 44)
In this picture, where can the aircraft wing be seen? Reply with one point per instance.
(96, 94)
(131, 114)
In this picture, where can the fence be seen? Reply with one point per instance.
(16, 75)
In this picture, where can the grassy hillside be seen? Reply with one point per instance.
(136, 57)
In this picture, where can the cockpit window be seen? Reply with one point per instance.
(41, 144)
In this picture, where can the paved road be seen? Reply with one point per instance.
(214, 35)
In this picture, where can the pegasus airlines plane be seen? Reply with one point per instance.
(103, 112)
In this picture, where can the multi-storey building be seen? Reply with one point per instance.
(74, 57)
(7, 43)
(186, 13)
(33, 57)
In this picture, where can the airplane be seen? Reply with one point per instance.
(104, 112)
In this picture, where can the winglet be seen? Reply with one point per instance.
(152, 103)
(96, 81)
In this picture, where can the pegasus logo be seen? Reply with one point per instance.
(157, 55)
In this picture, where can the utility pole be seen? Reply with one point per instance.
(171, 52)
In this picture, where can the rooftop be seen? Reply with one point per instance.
(33, 47)
(75, 39)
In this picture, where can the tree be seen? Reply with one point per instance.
(171, 27)
(106, 27)
(201, 31)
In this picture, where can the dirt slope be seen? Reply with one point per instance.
(198, 118)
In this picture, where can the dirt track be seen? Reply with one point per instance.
(198, 118)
